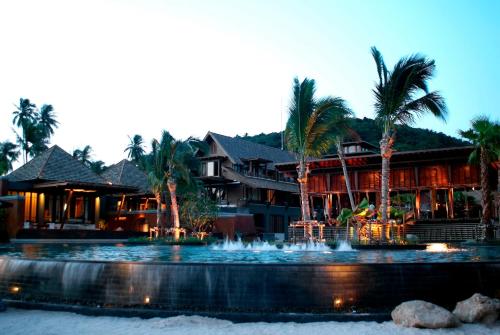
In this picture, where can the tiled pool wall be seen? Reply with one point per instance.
(245, 287)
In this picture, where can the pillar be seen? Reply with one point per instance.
(451, 214)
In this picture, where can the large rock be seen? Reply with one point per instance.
(478, 308)
(423, 314)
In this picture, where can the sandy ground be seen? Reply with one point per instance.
(16, 321)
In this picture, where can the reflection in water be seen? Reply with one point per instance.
(440, 247)
(31, 250)
(214, 254)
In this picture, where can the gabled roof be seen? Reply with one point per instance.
(55, 164)
(128, 174)
(238, 150)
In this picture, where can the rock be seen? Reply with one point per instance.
(478, 308)
(423, 314)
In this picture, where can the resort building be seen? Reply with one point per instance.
(438, 186)
(252, 195)
(55, 189)
(134, 210)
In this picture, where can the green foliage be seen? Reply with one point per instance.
(408, 138)
(136, 149)
(460, 198)
(37, 126)
(198, 213)
(347, 214)
(397, 213)
(173, 160)
(344, 216)
(402, 199)
(8, 155)
(271, 139)
(402, 94)
(485, 136)
(98, 167)
(364, 204)
(85, 156)
(314, 123)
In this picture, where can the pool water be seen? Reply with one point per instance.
(240, 253)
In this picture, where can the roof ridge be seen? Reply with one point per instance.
(39, 174)
(247, 141)
(121, 170)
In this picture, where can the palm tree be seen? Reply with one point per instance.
(24, 116)
(135, 148)
(402, 95)
(98, 167)
(485, 137)
(155, 163)
(311, 129)
(342, 125)
(83, 155)
(34, 140)
(171, 159)
(8, 155)
(47, 120)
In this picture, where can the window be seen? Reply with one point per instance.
(212, 169)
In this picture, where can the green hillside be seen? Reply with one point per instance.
(407, 138)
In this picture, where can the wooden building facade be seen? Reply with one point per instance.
(436, 184)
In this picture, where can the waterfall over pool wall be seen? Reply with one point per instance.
(244, 287)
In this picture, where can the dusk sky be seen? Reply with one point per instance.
(118, 68)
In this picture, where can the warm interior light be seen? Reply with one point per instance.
(15, 289)
(146, 300)
(80, 190)
(337, 302)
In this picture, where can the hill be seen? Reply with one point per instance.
(407, 138)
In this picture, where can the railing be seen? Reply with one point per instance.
(445, 232)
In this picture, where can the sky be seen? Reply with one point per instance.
(113, 69)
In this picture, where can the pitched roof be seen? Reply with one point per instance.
(128, 174)
(238, 150)
(55, 164)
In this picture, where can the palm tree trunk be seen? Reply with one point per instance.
(340, 152)
(158, 211)
(304, 198)
(498, 189)
(386, 153)
(172, 187)
(485, 195)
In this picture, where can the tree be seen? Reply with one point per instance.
(485, 137)
(173, 158)
(24, 116)
(47, 120)
(135, 148)
(8, 155)
(156, 176)
(311, 130)
(402, 95)
(97, 167)
(199, 213)
(36, 127)
(83, 155)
